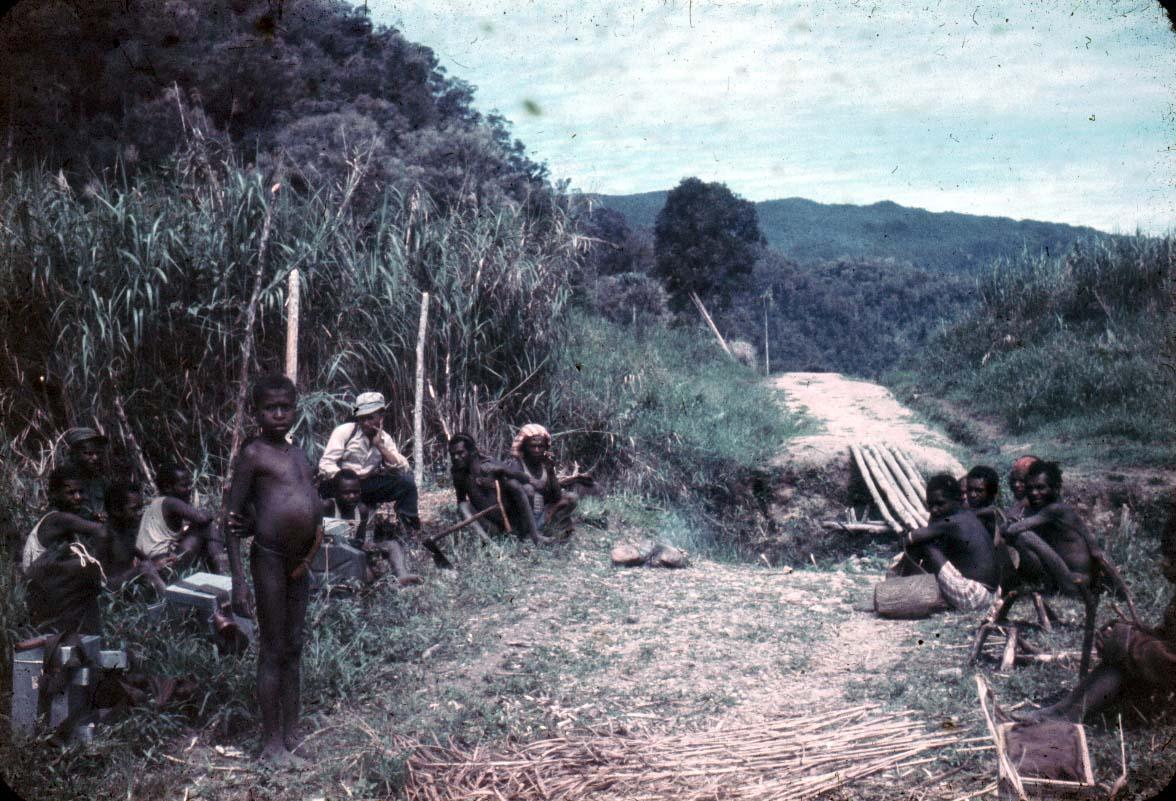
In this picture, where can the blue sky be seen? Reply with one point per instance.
(1060, 111)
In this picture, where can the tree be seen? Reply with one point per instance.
(705, 239)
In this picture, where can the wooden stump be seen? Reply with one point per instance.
(908, 597)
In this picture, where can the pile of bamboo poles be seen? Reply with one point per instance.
(795, 758)
(895, 484)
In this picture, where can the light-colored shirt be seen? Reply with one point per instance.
(350, 449)
(156, 537)
(33, 547)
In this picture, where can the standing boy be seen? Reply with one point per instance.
(274, 480)
(173, 531)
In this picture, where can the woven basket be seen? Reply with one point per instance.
(908, 597)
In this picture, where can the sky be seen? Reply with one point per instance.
(1057, 111)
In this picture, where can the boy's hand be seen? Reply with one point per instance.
(242, 599)
(235, 524)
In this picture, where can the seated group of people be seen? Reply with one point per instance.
(977, 550)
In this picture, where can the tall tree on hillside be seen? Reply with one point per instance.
(705, 239)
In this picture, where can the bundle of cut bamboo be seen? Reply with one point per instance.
(795, 758)
(895, 484)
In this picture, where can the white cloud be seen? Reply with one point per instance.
(769, 96)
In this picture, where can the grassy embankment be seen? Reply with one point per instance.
(140, 290)
(1073, 355)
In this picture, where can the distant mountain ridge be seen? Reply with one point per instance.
(806, 231)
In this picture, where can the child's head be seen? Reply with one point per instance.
(86, 447)
(347, 489)
(274, 397)
(1018, 475)
(943, 495)
(1043, 483)
(124, 504)
(66, 488)
(983, 485)
(175, 480)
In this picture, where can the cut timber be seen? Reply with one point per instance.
(861, 465)
(890, 488)
(916, 478)
(904, 483)
(856, 528)
(889, 491)
(714, 328)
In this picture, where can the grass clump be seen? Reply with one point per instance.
(1078, 348)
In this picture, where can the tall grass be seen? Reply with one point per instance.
(1079, 346)
(132, 292)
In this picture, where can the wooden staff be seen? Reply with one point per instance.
(418, 435)
(714, 328)
(293, 287)
(861, 465)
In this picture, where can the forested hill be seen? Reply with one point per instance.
(806, 232)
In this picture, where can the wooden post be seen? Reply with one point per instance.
(418, 437)
(293, 289)
(714, 328)
(767, 361)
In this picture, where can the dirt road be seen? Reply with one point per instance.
(851, 411)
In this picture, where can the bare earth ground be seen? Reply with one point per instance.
(852, 412)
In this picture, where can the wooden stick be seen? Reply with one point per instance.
(1009, 658)
(896, 497)
(714, 328)
(293, 291)
(148, 473)
(904, 483)
(916, 478)
(418, 436)
(889, 491)
(861, 465)
(856, 528)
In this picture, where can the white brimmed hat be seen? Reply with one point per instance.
(368, 402)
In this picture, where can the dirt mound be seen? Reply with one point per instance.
(849, 412)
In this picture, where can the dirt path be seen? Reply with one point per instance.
(850, 411)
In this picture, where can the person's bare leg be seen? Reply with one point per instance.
(1092, 694)
(399, 566)
(148, 570)
(517, 499)
(269, 581)
(1052, 564)
(297, 597)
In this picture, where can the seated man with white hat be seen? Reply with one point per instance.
(365, 448)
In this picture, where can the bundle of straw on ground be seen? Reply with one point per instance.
(789, 757)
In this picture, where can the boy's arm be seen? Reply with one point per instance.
(932, 531)
(329, 462)
(238, 493)
(1042, 518)
(177, 508)
(62, 524)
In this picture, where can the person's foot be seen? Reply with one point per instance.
(411, 580)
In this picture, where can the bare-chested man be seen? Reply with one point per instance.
(480, 482)
(551, 506)
(274, 479)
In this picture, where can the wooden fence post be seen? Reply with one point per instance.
(418, 436)
(293, 289)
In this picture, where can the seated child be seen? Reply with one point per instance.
(1053, 543)
(86, 451)
(120, 561)
(346, 517)
(1018, 476)
(982, 488)
(63, 588)
(275, 480)
(1133, 658)
(956, 547)
(481, 483)
(551, 506)
(175, 533)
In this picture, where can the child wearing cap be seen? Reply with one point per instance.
(86, 451)
(365, 448)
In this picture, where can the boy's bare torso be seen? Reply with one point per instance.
(286, 505)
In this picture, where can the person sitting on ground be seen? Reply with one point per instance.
(955, 546)
(173, 533)
(1053, 543)
(347, 517)
(87, 452)
(63, 582)
(481, 483)
(363, 447)
(1133, 658)
(551, 505)
(120, 561)
(982, 488)
(1018, 477)
(273, 498)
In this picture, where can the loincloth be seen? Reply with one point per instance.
(962, 593)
